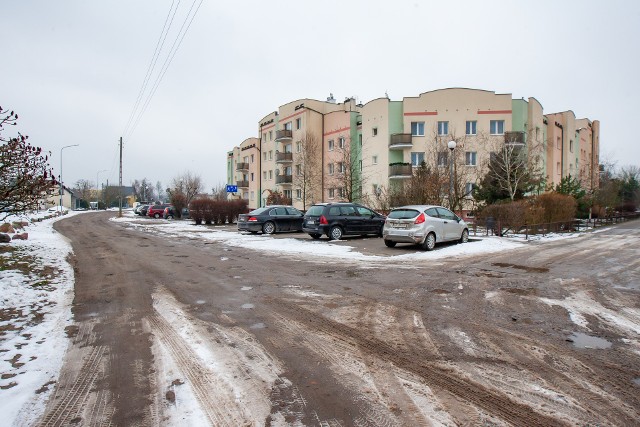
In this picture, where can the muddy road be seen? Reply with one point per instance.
(185, 331)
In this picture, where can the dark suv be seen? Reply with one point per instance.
(341, 219)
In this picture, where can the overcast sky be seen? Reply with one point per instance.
(73, 70)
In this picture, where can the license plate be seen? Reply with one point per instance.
(310, 222)
(400, 226)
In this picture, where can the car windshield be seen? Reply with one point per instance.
(403, 214)
(315, 210)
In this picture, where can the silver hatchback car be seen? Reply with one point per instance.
(424, 225)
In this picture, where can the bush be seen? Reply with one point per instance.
(556, 207)
(212, 211)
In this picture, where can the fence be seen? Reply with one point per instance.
(490, 226)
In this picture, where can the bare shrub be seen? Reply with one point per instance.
(557, 207)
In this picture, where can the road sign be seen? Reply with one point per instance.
(232, 188)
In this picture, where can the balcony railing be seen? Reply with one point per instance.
(400, 171)
(284, 179)
(242, 184)
(284, 157)
(400, 141)
(514, 137)
(242, 166)
(284, 135)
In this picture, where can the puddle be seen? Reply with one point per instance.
(581, 340)
(237, 277)
(257, 326)
(200, 301)
(247, 305)
(636, 381)
(224, 258)
(246, 288)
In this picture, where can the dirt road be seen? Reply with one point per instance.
(544, 335)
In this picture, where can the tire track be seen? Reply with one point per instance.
(210, 391)
(72, 405)
(494, 403)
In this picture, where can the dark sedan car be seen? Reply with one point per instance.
(271, 219)
(341, 219)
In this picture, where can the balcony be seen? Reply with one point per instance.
(284, 135)
(516, 138)
(400, 171)
(284, 179)
(284, 157)
(242, 166)
(242, 184)
(400, 141)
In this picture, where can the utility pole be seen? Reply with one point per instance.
(120, 183)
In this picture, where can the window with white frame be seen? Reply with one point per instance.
(264, 175)
(558, 168)
(417, 158)
(270, 155)
(330, 168)
(374, 160)
(496, 127)
(443, 128)
(340, 192)
(468, 189)
(340, 167)
(472, 127)
(332, 193)
(470, 158)
(298, 123)
(270, 135)
(417, 128)
(252, 195)
(298, 194)
(299, 170)
(287, 126)
(270, 174)
(299, 147)
(264, 156)
(330, 145)
(341, 142)
(264, 136)
(443, 158)
(287, 193)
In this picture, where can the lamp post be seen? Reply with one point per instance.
(98, 188)
(61, 185)
(452, 146)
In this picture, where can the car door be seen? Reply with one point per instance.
(435, 223)
(353, 222)
(451, 225)
(281, 218)
(370, 224)
(295, 219)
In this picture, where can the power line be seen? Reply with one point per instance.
(165, 66)
(152, 63)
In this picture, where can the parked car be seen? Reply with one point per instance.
(424, 225)
(271, 219)
(156, 211)
(170, 213)
(341, 219)
(143, 210)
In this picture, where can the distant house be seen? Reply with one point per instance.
(111, 196)
(68, 197)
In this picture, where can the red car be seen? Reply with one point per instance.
(156, 211)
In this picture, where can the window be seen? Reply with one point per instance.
(468, 188)
(252, 158)
(470, 158)
(332, 193)
(571, 145)
(558, 144)
(251, 176)
(253, 196)
(558, 168)
(496, 127)
(287, 126)
(374, 160)
(374, 131)
(298, 191)
(264, 155)
(330, 168)
(340, 167)
(341, 142)
(417, 158)
(299, 170)
(417, 128)
(472, 127)
(346, 210)
(443, 128)
(264, 175)
(271, 174)
(299, 147)
(365, 211)
(287, 148)
(298, 123)
(270, 155)
(330, 144)
(270, 135)
(442, 158)
(264, 136)
(287, 194)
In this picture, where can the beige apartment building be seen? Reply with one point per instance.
(321, 151)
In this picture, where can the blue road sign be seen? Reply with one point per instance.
(232, 188)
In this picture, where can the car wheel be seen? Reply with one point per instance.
(465, 236)
(335, 233)
(156, 216)
(269, 228)
(315, 235)
(430, 242)
(389, 243)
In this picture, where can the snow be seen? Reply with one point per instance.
(40, 343)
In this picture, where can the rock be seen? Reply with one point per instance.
(6, 228)
(20, 236)
(171, 396)
(5, 238)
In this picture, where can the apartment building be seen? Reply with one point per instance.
(319, 151)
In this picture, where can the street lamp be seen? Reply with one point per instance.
(61, 185)
(98, 188)
(452, 146)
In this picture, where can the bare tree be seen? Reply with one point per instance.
(187, 184)
(219, 192)
(84, 189)
(347, 174)
(308, 168)
(25, 175)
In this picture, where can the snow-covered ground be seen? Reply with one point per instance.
(36, 292)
